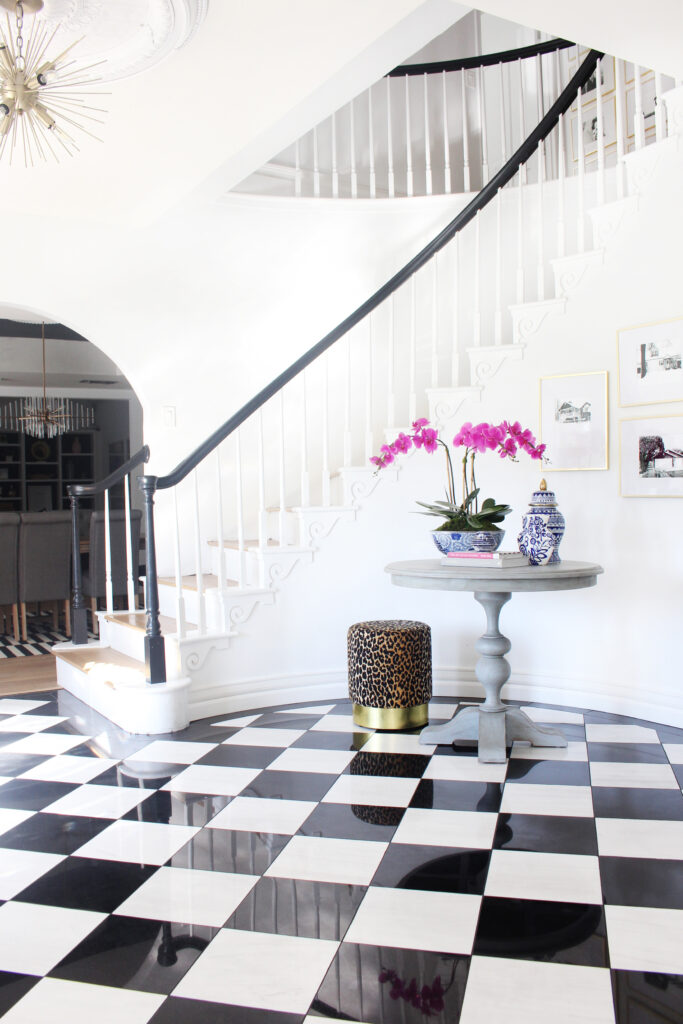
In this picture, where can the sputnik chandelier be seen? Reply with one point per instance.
(42, 99)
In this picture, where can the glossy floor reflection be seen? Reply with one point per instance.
(281, 867)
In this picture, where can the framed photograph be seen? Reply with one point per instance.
(649, 99)
(589, 91)
(651, 457)
(589, 129)
(651, 363)
(574, 421)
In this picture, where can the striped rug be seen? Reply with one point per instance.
(41, 638)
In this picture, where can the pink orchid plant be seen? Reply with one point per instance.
(507, 439)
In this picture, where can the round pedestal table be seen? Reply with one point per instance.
(493, 724)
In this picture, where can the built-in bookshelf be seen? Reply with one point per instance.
(35, 472)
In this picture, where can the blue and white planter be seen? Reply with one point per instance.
(467, 540)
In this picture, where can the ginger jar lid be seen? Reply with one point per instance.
(543, 498)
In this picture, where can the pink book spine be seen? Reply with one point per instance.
(472, 554)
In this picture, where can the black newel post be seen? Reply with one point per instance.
(155, 658)
(79, 614)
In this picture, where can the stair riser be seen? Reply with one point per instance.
(131, 641)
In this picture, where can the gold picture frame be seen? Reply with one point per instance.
(574, 421)
(589, 118)
(642, 478)
(589, 92)
(650, 363)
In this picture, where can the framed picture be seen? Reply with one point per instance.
(651, 363)
(651, 457)
(589, 91)
(589, 128)
(574, 421)
(649, 100)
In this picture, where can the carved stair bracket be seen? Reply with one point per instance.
(527, 317)
(232, 606)
(194, 653)
(569, 270)
(445, 403)
(486, 361)
(642, 163)
(318, 522)
(358, 482)
(607, 218)
(673, 100)
(278, 562)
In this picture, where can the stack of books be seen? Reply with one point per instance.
(485, 559)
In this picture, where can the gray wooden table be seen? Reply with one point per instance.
(493, 724)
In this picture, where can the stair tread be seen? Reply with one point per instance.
(138, 621)
(103, 663)
(209, 581)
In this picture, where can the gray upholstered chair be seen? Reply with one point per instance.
(9, 586)
(45, 563)
(94, 580)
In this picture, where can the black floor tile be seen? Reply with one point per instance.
(539, 833)
(548, 773)
(678, 772)
(176, 1010)
(290, 785)
(17, 764)
(645, 997)
(11, 737)
(236, 755)
(319, 740)
(621, 802)
(563, 933)
(173, 808)
(639, 882)
(644, 753)
(346, 821)
(53, 833)
(444, 795)
(380, 985)
(433, 869)
(217, 849)
(82, 883)
(403, 766)
(289, 906)
(149, 778)
(14, 987)
(32, 795)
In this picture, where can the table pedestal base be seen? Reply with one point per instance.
(493, 725)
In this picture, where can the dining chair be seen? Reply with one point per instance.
(9, 589)
(95, 577)
(45, 563)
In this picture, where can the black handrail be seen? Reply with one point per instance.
(484, 60)
(505, 174)
(87, 490)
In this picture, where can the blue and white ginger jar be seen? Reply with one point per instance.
(543, 516)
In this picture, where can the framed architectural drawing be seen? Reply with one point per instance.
(651, 457)
(589, 128)
(651, 363)
(649, 106)
(574, 421)
(589, 88)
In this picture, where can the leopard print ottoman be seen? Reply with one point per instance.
(390, 673)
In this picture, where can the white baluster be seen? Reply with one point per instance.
(352, 151)
(348, 438)
(409, 146)
(498, 314)
(391, 399)
(297, 169)
(540, 265)
(561, 223)
(412, 354)
(390, 145)
(368, 390)
(282, 498)
(446, 141)
(435, 321)
(638, 128)
(659, 108)
(108, 579)
(220, 534)
(503, 134)
(520, 235)
(316, 164)
(335, 171)
(181, 620)
(428, 153)
(476, 314)
(239, 508)
(131, 571)
(522, 120)
(201, 606)
(455, 358)
(371, 147)
(483, 127)
(581, 164)
(601, 133)
(305, 478)
(465, 135)
(620, 126)
(261, 470)
(325, 485)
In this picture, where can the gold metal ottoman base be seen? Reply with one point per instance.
(391, 718)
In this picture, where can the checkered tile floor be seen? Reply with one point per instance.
(283, 867)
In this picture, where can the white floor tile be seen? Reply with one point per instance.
(674, 751)
(34, 938)
(371, 790)
(16, 706)
(30, 723)
(304, 759)
(456, 768)
(529, 992)
(212, 779)
(252, 814)
(620, 734)
(468, 829)
(633, 775)
(10, 818)
(270, 972)
(412, 919)
(631, 837)
(80, 1003)
(92, 801)
(172, 752)
(318, 859)
(138, 842)
(397, 743)
(565, 801)
(255, 737)
(338, 723)
(323, 709)
(442, 712)
(574, 751)
(68, 768)
(645, 939)
(237, 723)
(5, 778)
(552, 715)
(18, 868)
(563, 877)
(189, 897)
(45, 743)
